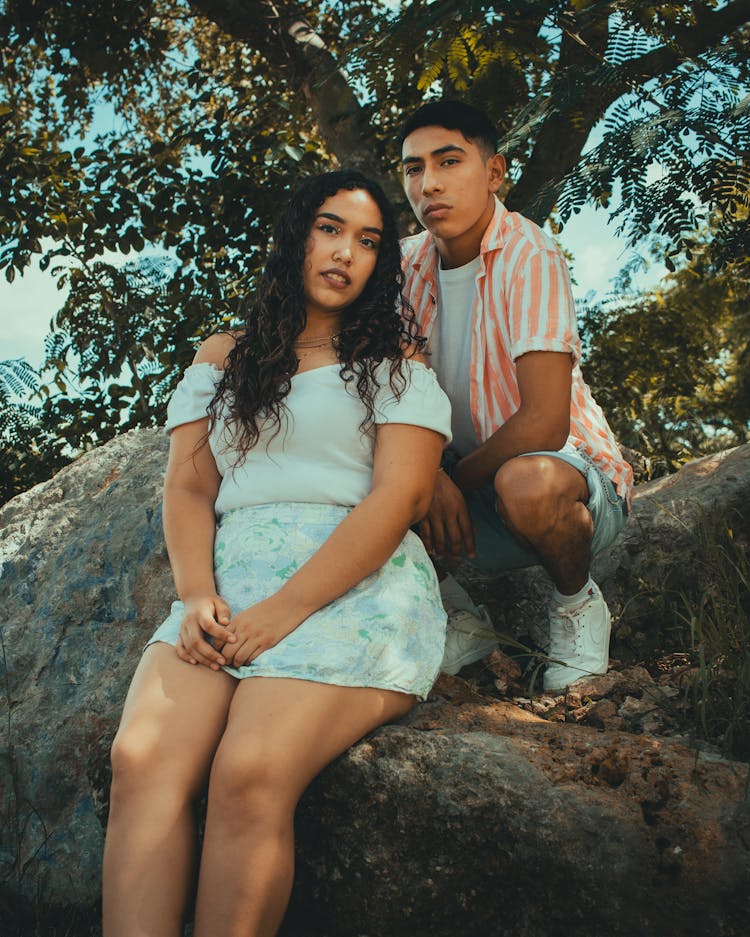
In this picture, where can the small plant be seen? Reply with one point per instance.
(700, 611)
(716, 616)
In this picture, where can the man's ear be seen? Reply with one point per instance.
(496, 171)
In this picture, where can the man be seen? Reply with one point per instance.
(535, 475)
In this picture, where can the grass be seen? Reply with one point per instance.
(716, 618)
(702, 607)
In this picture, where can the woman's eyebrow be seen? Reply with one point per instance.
(340, 220)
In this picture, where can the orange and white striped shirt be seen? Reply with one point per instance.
(522, 302)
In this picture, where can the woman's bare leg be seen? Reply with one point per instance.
(280, 734)
(173, 718)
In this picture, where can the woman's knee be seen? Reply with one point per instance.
(253, 784)
(131, 758)
(141, 763)
(132, 752)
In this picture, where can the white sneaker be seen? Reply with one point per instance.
(468, 638)
(455, 597)
(469, 634)
(579, 640)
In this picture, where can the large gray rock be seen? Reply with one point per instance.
(464, 819)
(496, 827)
(84, 578)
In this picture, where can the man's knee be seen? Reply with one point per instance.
(525, 482)
(535, 489)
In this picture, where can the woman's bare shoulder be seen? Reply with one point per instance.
(412, 352)
(215, 349)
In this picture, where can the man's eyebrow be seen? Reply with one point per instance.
(340, 220)
(448, 148)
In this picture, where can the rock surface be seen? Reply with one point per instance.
(473, 816)
(84, 577)
(468, 821)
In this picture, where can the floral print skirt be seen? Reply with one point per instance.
(386, 632)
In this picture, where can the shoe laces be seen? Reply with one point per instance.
(565, 637)
(466, 622)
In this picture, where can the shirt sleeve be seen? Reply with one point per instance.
(541, 310)
(193, 395)
(421, 403)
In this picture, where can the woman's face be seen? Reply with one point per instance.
(341, 251)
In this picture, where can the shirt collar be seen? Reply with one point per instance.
(494, 235)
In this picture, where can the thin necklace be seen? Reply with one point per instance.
(319, 341)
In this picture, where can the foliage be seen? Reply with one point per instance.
(717, 694)
(212, 109)
(661, 92)
(672, 368)
(701, 607)
(30, 451)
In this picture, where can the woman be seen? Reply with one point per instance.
(310, 615)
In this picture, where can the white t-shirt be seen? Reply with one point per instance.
(320, 455)
(450, 345)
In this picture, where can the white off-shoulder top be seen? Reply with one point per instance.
(320, 455)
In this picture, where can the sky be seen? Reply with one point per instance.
(30, 302)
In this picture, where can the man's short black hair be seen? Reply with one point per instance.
(474, 124)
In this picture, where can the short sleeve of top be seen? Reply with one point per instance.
(421, 403)
(193, 395)
(540, 307)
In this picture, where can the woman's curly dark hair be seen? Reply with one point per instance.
(378, 325)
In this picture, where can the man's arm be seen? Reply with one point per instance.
(541, 422)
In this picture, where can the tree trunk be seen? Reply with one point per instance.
(282, 32)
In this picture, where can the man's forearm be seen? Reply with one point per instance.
(521, 433)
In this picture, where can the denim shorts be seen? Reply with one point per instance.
(497, 549)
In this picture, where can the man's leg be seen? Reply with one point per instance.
(543, 519)
(542, 501)
(469, 633)
(554, 508)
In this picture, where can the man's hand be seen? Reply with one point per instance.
(258, 628)
(447, 529)
(204, 615)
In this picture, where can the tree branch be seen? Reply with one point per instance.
(563, 134)
(281, 32)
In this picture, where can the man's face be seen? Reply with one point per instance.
(450, 182)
